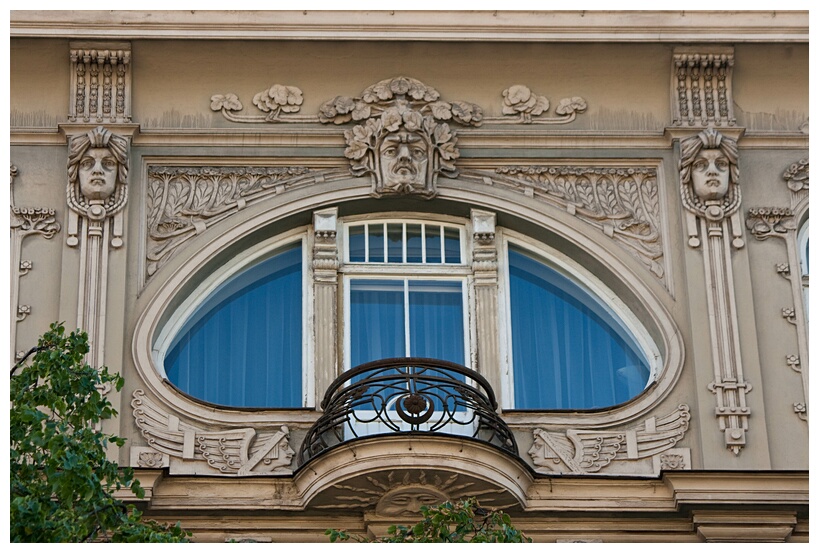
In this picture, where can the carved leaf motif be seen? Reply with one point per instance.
(361, 111)
(391, 119)
(568, 106)
(609, 197)
(442, 134)
(154, 200)
(176, 199)
(201, 194)
(441, 110)
(629, 198)
(651, 197)
(224, 191)
(413, 121)
(448, 151)
(584, 192)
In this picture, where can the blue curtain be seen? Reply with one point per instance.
(243, 345)
(567, 351)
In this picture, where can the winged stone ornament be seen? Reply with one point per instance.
(588, 451)
(241, 451)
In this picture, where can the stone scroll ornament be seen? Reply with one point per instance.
(579, 451)
(96, 193)
(404, 141)
(238, 452)
(25, 222)
(709, 184)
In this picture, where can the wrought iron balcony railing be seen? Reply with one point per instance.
(407, 395)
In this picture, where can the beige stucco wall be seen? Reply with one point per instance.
(627, 88)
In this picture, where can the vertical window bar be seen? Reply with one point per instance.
(403, 242)
(423, 243)
(367, 243)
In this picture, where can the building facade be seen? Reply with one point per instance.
(351, 263)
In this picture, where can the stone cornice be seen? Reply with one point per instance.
(485, 137)
(498, 26)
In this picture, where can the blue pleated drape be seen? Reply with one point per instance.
(567, 351)
(243, 345)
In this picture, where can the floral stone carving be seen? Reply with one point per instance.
(579, 451)
(239, 452)
(764, 222)
(622, 202)
(184, 201)
(277, 103)
(529, 107)
(25, 221)
(797, 176)
(404, 142)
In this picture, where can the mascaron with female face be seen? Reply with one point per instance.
(404, 157)
(710, 174)
(97, 174)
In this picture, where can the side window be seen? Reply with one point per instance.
(242, 346)
(804, 261)
(568, 350)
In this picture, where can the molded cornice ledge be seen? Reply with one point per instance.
(489, 26)
(746, 488)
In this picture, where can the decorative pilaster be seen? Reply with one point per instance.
(709, 182)
(701, 87)
(325, 293)
(485, 271)
(100, 82)
(25, 221)
(96, 193)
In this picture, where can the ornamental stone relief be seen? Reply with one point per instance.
(401, 492)
(403, 140)
(622, 202)
(782, 222)
(195, 450)
(184, 201)
(100, 82)
(709, 185)
(702, 87)
(25, 221)
(579, 451)
(96, 193)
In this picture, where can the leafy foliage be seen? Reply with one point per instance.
(62, 482)
(465, 521)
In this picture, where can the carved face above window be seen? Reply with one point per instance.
(710, 174)
(404, 158)
(98, 174)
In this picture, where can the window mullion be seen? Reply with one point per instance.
(406, 319)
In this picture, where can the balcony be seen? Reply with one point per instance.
(407, 395)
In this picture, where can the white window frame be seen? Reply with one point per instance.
(571, 269)
(242, 261)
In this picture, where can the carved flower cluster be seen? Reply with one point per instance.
(519, 99)
(770, 212)
(402, 93)
(227, 102)
(797, 176)
(279, 98)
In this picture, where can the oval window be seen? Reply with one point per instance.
(568, 350)
(242, 346)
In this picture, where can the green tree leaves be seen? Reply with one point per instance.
(62, 482)
(464, 521)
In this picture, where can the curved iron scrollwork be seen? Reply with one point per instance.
(403, 395)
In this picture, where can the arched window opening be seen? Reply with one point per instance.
(568, 349)
(804, 262)
(243, 345)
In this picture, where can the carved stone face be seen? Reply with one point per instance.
(407, 500)
(404, 157)
(710, 174)
(285, 450)
(98, 174)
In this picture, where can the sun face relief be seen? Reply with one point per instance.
(98, 174)
(710, 174)
(404, 157)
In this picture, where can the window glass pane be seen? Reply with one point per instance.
(376, 232)
(414, 243)
(452, 245)
(376, 320)
(356, 246)
(567, 351)
(395, 242)
(433, 243)
(243, 346)
(436, 320)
